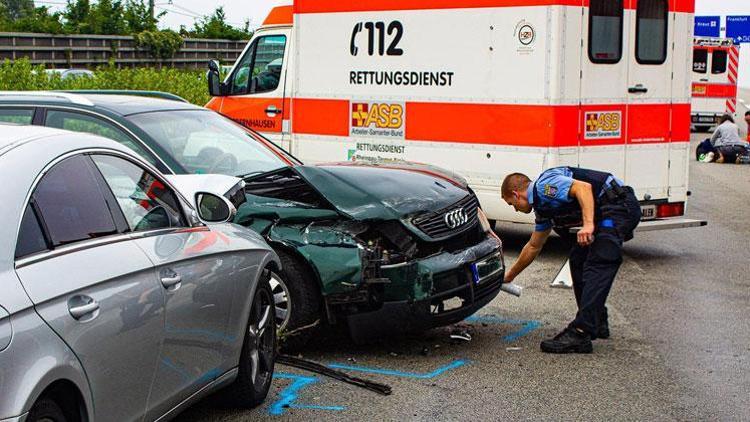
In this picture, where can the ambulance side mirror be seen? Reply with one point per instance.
(214, 79)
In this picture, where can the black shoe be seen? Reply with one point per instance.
(602, 326)
(602, 332)
(568, 341)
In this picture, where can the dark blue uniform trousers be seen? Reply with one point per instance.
(594, 267)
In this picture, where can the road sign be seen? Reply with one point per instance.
(707, 26)
(738, 27)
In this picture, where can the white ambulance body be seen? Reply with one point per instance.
(480, 87)
(715, 70)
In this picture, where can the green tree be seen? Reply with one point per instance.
(139, 17)
(160, 44)
(17, 9)
(107, 18)
(76, 16)
(39, 20)
(216, 27)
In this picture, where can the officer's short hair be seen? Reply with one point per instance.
(514, 182)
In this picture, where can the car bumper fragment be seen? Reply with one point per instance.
(447, 288)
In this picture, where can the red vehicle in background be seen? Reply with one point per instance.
(715, 69)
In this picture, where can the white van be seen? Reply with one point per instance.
(480, 87)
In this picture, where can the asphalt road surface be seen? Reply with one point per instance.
(680, 346)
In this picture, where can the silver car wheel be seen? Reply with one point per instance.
(281, 301)
(261, 331)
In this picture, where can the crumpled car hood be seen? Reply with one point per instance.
(366, 191)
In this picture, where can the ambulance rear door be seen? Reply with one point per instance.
(604, 87)
(257, 96)
(649, 54)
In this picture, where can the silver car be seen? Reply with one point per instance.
(117, 302)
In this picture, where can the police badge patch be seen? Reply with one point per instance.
(550, 191)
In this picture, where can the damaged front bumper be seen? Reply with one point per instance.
(439, 290)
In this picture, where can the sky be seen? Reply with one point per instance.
(180, 11)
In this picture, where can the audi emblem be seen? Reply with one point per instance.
(456, 218)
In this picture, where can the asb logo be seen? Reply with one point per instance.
(378, 119)
(456, 218)
(603, 124)
(382, 116)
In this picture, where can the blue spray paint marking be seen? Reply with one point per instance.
(428, 375)
(289, 395)
(528, 325)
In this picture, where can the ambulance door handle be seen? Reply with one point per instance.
(638, 89)
(272, 111)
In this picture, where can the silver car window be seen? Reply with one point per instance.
(145, 201)
(71, 203)
(31, 238)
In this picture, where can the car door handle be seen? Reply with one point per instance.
(638, 89)
(272, 110)
(79, 312)
(169, 282)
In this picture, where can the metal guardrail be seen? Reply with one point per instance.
(94, 50)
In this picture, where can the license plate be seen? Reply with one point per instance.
(706, 119)
(486, 268)
(648, 212)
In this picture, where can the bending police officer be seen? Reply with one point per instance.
(608, 212)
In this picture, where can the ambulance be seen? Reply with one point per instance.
(483, 88)
(715, 69)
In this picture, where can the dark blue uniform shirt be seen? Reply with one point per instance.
(553, 188)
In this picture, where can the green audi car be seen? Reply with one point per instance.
(383, 248)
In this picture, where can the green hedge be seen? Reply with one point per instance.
(20, 75)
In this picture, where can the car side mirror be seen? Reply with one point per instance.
(214, 79)
(213, 208)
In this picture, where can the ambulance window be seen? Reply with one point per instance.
(239, 78)
(700, 60)
(605, 31)
(260, 69)
(651, 31)
(719, 62)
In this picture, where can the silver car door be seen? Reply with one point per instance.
(197, 277)
(93, 285)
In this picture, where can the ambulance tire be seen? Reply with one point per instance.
(305, 303)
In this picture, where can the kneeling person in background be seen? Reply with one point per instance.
(729, 148)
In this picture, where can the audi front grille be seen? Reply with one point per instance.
(449, 221)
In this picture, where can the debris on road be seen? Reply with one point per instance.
(460, 335)
(311, 366)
